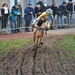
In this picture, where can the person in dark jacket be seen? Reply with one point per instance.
(20, 7)
(55, 9)
(70, 6)
(5, 14)
(70, 9)
(42, 5)
(29, 11)
(74, 7)
(37, 10)
(62, 11)
(47, 7)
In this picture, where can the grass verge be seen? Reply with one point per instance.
(67, 43)
(6, 46)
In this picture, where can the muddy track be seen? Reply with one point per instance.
(47, 60)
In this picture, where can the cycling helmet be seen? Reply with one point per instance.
(49, 12)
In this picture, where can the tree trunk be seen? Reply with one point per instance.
(53, 1)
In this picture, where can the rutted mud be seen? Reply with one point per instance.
(47, 60)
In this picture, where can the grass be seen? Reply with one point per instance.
(6, 46)
(64, 43)
(67, 43)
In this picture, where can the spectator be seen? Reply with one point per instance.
(74, 7)
(55, 9)
(61, 11)
(0, 14)
(13, 20)
(37, 10)
(42, 5)
(28, 16)
(15, 12)
(19, 13)
(65, 15)
(0, 17)
(47, 7)
(20, 7)
(5, 14)
(0, 9)
(70, 9)
(70, 6)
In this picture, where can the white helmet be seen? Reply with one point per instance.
(49, 12)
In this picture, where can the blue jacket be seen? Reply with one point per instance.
(15, 14)
(63, 9)
(28, 15)
(60, 9)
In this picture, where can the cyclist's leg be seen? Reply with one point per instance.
(34, 33)
(43, 26)
(39, 24)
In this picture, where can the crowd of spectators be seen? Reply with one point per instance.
(15, 16)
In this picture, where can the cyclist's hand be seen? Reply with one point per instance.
(46, 28)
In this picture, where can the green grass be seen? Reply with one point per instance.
(6, 46)
(67, 43)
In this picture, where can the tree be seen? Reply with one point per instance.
(53, 1)
(15, 2)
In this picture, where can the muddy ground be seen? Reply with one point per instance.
(46, 60)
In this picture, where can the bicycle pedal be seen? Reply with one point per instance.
(41, 43)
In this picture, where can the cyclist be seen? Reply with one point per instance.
(43, 22)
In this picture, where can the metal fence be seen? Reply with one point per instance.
(66, 22)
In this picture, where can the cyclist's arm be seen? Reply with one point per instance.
(49, 21)
(48, 24)
(40, 17)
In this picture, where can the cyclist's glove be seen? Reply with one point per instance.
(46, 28)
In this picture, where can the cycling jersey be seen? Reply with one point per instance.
(41, 19)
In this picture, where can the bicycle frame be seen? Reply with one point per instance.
(39, 36)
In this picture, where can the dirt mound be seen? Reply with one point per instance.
(47, 60)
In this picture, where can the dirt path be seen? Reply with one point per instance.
(30, 34)
(15, 36)
(47, 60)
